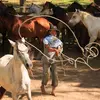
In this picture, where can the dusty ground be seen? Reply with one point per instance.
(79, 83)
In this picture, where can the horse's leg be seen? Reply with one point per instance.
(29, 93)
(92, 39)
(14, 96)
(40, 47)
(2, 92)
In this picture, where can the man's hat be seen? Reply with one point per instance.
(54, 28)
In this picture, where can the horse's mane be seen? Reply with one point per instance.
(94, 6)
(86, 14)
(73, 6)
(55, 7)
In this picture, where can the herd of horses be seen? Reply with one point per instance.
(85, 25)
(38, 26)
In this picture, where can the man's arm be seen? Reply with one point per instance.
(50, 49)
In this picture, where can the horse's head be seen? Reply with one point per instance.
(76, 18)
(73, 6)
(48, 5)
(47, 12)
(21, 52)
(2, 7)
(10, 10)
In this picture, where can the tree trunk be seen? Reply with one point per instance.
(22, 4)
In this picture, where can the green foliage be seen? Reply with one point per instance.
(75, 0)
(63, 2)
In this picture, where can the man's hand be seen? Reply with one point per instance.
(57, 51)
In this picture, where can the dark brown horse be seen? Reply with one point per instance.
(5, 10)
(94, 9)
(75, 5)
(59, 13)
(2, 7)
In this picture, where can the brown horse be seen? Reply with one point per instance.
(33, 27)
(25, 26)
(36, 27)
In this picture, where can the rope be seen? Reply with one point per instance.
(72, 61)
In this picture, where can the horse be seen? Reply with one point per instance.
(25, 26)
(60, 13)
(79, 29)
(8, 10)
(91, 23)
(93, 9)
(14, 68)
(36, 9)
(2, 7)
(33, 27)
(36, 27)
(73, 6)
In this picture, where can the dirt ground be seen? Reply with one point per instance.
(79, 83)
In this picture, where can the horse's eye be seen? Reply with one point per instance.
(74, 16)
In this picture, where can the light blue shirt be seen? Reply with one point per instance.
(52, 41)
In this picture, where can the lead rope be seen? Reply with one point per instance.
(66, 58)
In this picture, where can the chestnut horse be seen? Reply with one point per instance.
(36, 27)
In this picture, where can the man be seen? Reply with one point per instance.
(52, 48)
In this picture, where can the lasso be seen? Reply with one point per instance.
(72, 61)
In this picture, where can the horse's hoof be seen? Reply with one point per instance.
(53, 94)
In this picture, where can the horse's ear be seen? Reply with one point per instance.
(12, 42)
(77, 10)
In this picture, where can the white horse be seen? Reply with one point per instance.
(36, 9)
(91, 23)
(14, 76)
